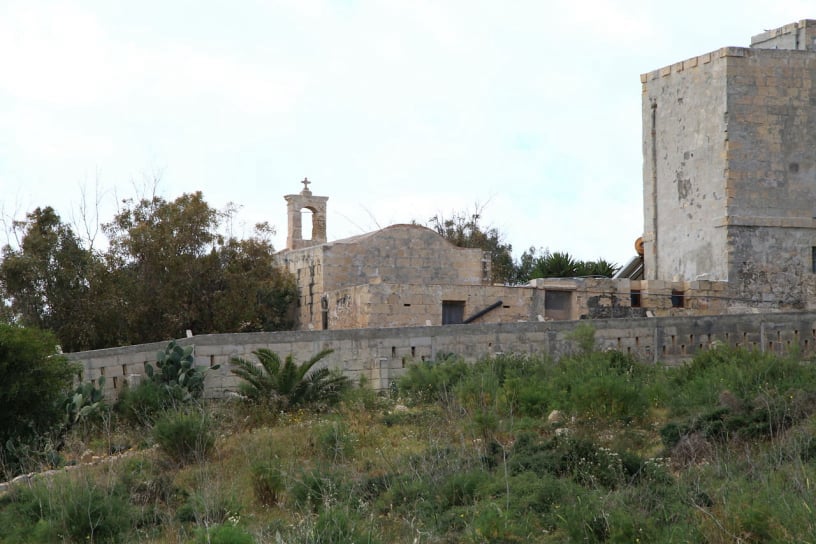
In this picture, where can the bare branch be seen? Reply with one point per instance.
(88, 223)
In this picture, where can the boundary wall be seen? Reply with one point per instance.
(381, 355)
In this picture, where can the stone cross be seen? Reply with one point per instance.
(306, 183)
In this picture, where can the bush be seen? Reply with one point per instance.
(267, 481)
(224, 534)
(576, 458)
(35, 381)
(334, 441)
(93, 515)
(315, 489)
(338, 526)
(72, 510)
(184, 437)
(745, 374)
(143, 404)
(432, 380)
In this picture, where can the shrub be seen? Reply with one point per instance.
(143, 404)
(184, 437)
(147, 486)
(583, 335)
(224, 534)
(288, 385)
(209, 506)
(576, 458)
(428, 381)
(72, 510)
(35, 380)
(26, 516)
(314, 489)
(93, 515)
(338, 526)
(267, 481)
(745, 374)
(334, 441)
(605, 385)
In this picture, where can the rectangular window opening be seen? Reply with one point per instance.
(558, 304)
(634, 298)
(677, 299)
(453, 312)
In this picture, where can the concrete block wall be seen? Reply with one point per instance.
(382, 355)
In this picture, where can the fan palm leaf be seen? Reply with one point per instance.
(288, 384)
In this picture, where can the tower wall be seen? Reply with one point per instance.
(684, 159)
(730, 172)
(771, 174)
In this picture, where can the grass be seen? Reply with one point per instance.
(720, 450)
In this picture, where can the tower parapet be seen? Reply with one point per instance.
(799, 36)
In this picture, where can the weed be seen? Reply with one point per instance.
(224, 534)
(334, 441)
(184, 437)
(267, 481)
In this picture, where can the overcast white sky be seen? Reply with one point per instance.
(394, 110)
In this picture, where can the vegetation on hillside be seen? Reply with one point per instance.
(594, 447)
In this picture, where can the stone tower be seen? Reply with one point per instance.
(729, 167)
(295, 205)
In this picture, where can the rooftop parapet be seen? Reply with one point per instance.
(799, 36)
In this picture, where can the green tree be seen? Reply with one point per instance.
(251, 292)
(48, 279)
(159, 254)
(288, 384)
(464, 230)
(179, 273)
(34, 381)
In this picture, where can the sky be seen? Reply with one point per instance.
(528, 111)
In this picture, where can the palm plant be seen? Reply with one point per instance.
(289, 384)
(555, 265)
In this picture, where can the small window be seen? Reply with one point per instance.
(453, 312)
(557, 304)
(677, 299)
(634, 298)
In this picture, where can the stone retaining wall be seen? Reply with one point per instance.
(381, 355)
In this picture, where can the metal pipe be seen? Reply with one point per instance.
(480, 313)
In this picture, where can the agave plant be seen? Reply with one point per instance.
(288, 384)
